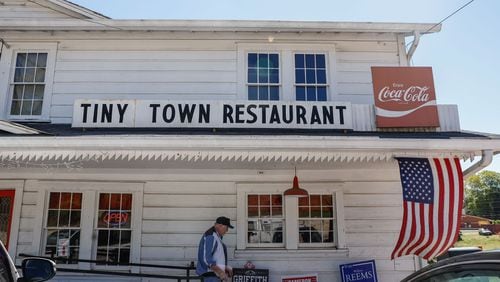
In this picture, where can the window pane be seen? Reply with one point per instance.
(263, 61)
(31, 62)
(277, 212)
(76, 202)
(321, 76)
(37, 108)
(263, 75)
(301, 95)
(52, 218)
(277, 200)
(299, 61)
(252, 75)
(326, 200)
(267, 226)
(265, 211)
(40, 75)
(26, 108)
(320, 61)
(104, 201)
(126, 201)
(263, 93)
(310, 76)
(29, 92)
(273, 61)
(317, 226)
(63, 218)
(75, 218)
(29, 75)
(115, 201)
(315, 200)
(274, 76)
(252, 60)
(54, 200)
(42, 60)
(18, 92)
(19, 75)
(300, 76)
(303, 201)
(252, 200)
(65, 200)
(274, 93)
(309, 61)
(311, 93)
(21, 60)
(303, 211)
(265, 200)
(253, 93)
(16, 108)
(321, 93)
(253, 211)
(39, 90)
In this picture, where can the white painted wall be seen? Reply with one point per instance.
(178, 206)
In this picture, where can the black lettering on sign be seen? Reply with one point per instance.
(107, 113)
(227, 114)
(121, 111)
(251, 112)
(154, 112)
(341, 113)
(166, 109)
(204, 114)
(85, 111)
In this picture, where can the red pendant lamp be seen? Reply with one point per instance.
(296, 191)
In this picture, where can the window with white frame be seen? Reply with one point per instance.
(114, 227)
(263, 79)
(28, 84)
(90, 222)
(269, 219)
(265, 220)
(310, 77)
(62, 226)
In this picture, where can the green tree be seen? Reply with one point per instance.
(482, 195)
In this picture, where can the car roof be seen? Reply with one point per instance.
(492, 256)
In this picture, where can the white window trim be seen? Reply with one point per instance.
(291, 218)
(90, 192)
(7, 69)
(286, 52)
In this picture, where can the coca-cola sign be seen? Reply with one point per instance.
(404, 97)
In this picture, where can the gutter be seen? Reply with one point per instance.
(414, 45)
(486, 159)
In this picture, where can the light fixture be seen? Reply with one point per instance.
(296, 191)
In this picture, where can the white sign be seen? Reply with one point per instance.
(63, 247)
(196, 114)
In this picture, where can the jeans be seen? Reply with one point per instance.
(211, 279)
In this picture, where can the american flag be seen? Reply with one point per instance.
(432, 206)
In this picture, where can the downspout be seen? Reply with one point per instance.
(414, 45)
(487, 158)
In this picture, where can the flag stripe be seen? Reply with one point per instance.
(432, 206)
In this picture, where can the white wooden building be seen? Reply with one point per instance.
(76, 189)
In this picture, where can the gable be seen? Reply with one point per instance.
(45, 9)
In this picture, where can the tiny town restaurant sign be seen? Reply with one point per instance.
(196, 114)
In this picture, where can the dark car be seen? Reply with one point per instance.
(479, 266)
(484, 232)
(33, 269)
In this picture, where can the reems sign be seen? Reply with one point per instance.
(180, 114)
(404, 97)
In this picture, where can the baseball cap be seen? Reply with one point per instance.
(224, 221)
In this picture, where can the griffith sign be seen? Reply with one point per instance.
(404, 97)
(196, 114)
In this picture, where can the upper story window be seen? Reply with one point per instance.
(263, 79)
(310, 77)
(28, 85)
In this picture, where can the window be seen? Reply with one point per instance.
(90, 221)
(63, 226)
(316, 220)
(310, 77)
(268, 220)
(114, 228)
(265, 219)
(263, 78)
(28, 86)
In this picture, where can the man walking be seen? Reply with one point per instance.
(212, 253)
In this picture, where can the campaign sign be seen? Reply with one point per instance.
(250, 275)
(300, 278)
(362, 271)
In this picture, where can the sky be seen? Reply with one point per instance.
(464, 55)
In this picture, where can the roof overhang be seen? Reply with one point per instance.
(277, 149)
(406, 29)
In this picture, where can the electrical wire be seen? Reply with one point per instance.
(449, 16)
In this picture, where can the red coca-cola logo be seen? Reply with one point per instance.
(116, 218)
(410, 94)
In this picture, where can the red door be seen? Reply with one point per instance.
(6, 207)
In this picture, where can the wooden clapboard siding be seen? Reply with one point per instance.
(28, 10)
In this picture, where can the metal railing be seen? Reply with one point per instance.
(188, 277)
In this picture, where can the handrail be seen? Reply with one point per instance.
(188, 277)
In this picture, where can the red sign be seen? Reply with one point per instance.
(300, 278)
(404, 97)
(116, 218)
